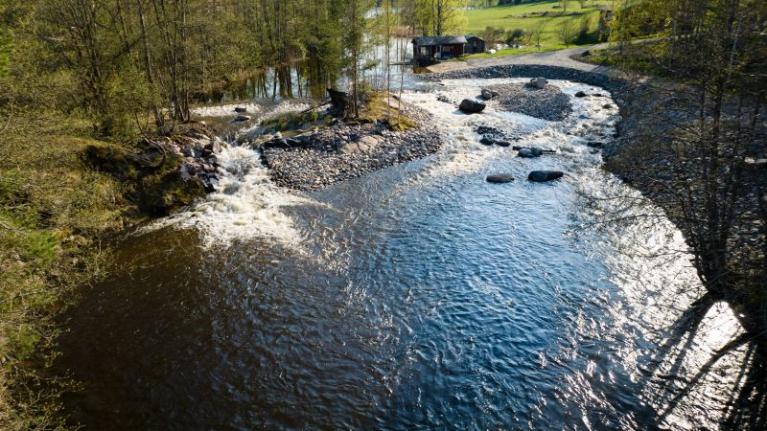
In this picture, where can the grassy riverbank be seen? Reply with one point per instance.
(54, 212)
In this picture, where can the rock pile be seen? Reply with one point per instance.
(321, 158)
(198, 150)
(548, 103)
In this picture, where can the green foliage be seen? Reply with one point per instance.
(435, 17)
(533, 18)
(5, 51)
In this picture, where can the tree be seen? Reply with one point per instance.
(697, 158)
(566, 32)
(537, 32)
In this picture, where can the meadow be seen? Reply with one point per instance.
(529, 16)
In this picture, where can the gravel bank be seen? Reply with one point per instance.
(342, 152)
(548, 103)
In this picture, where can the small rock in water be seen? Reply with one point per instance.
(607, 106)
(543, 176)
(471, 106)
(530, 153)
(538, 82)
(241, 118)
(500, 178)
(580, 94)
(489, 94)
(240, 110)
(503, 143)
(486, 141)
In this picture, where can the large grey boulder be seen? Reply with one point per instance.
(471, 106)
(543, 176)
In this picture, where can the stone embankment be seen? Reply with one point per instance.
(319, 159)
(342, 151)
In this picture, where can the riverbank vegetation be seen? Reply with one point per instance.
(700, 152)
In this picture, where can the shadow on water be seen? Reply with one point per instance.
(746, 405)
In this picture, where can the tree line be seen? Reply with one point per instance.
(123, 62)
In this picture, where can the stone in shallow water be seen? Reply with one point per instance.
(241, 118)
(489, 94)
(530, 153)
(543, 176)
(580, 94)
(538, 83)
(500, 178)
(471, 106)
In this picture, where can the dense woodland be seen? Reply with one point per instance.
(109, 71)
(118, 60)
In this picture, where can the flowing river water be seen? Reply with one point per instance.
(417, 297)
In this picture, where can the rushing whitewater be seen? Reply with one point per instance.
(418, 296)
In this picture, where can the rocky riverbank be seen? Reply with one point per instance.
(163, 174)
(342, 151)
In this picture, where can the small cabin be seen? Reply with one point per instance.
(432, 49)
(474, 45)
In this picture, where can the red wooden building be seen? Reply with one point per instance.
(429, 50)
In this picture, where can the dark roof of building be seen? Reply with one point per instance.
(471, 36)
(439, 40)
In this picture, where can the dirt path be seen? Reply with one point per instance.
(561, 58)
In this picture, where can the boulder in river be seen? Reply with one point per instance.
(538, 83)
(241, 118)
(530, 153)
(489, 94)
(502, 143)
(580, 94)
(543, 176)
(240, 110)
(471, 106)
(500, 178)
(486, 141)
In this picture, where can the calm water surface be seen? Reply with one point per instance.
(418, 297)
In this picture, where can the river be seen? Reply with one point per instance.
(416, 297)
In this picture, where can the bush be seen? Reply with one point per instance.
(566, 32)
(514, 36)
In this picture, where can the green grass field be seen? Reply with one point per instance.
(526, 17)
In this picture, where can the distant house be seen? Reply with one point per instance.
(474, 45)
(429, 50)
